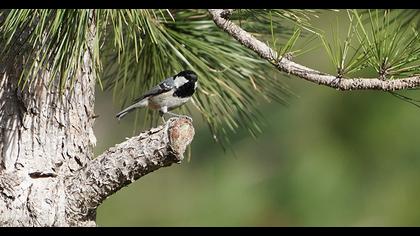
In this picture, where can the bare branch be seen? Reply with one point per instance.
(127, 162)
(304, 72)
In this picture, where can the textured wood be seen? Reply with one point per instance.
(45, 138)
(124, 163)
(220, 17)
(48, 176)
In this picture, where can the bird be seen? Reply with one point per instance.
(169, 94)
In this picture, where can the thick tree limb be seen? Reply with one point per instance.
(126, 162)
(219, 17)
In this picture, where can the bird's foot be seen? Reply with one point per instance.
(179, 116)
(161, 114)
(186, 117)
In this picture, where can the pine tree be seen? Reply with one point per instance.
(52, 60)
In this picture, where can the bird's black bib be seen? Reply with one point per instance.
(185, 90)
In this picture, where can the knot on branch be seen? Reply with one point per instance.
(180, 133)
(226, 13)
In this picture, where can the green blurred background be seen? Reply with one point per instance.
(330, 158)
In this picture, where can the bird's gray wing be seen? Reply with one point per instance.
(163, 86)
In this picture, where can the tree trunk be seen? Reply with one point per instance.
(48, 176)
(45, 137)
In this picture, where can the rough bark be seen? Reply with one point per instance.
(48, 176)
(45, 138)
(124, 163)
(221, 19)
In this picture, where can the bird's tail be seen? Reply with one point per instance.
(131, 108)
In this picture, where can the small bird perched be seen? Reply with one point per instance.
(167, 95)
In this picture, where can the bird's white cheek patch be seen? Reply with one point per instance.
(179, 81)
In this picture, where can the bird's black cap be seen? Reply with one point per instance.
(188, 74)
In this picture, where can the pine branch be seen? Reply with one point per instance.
(126, 162)
(304, 72)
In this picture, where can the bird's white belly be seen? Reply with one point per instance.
(168, 100)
